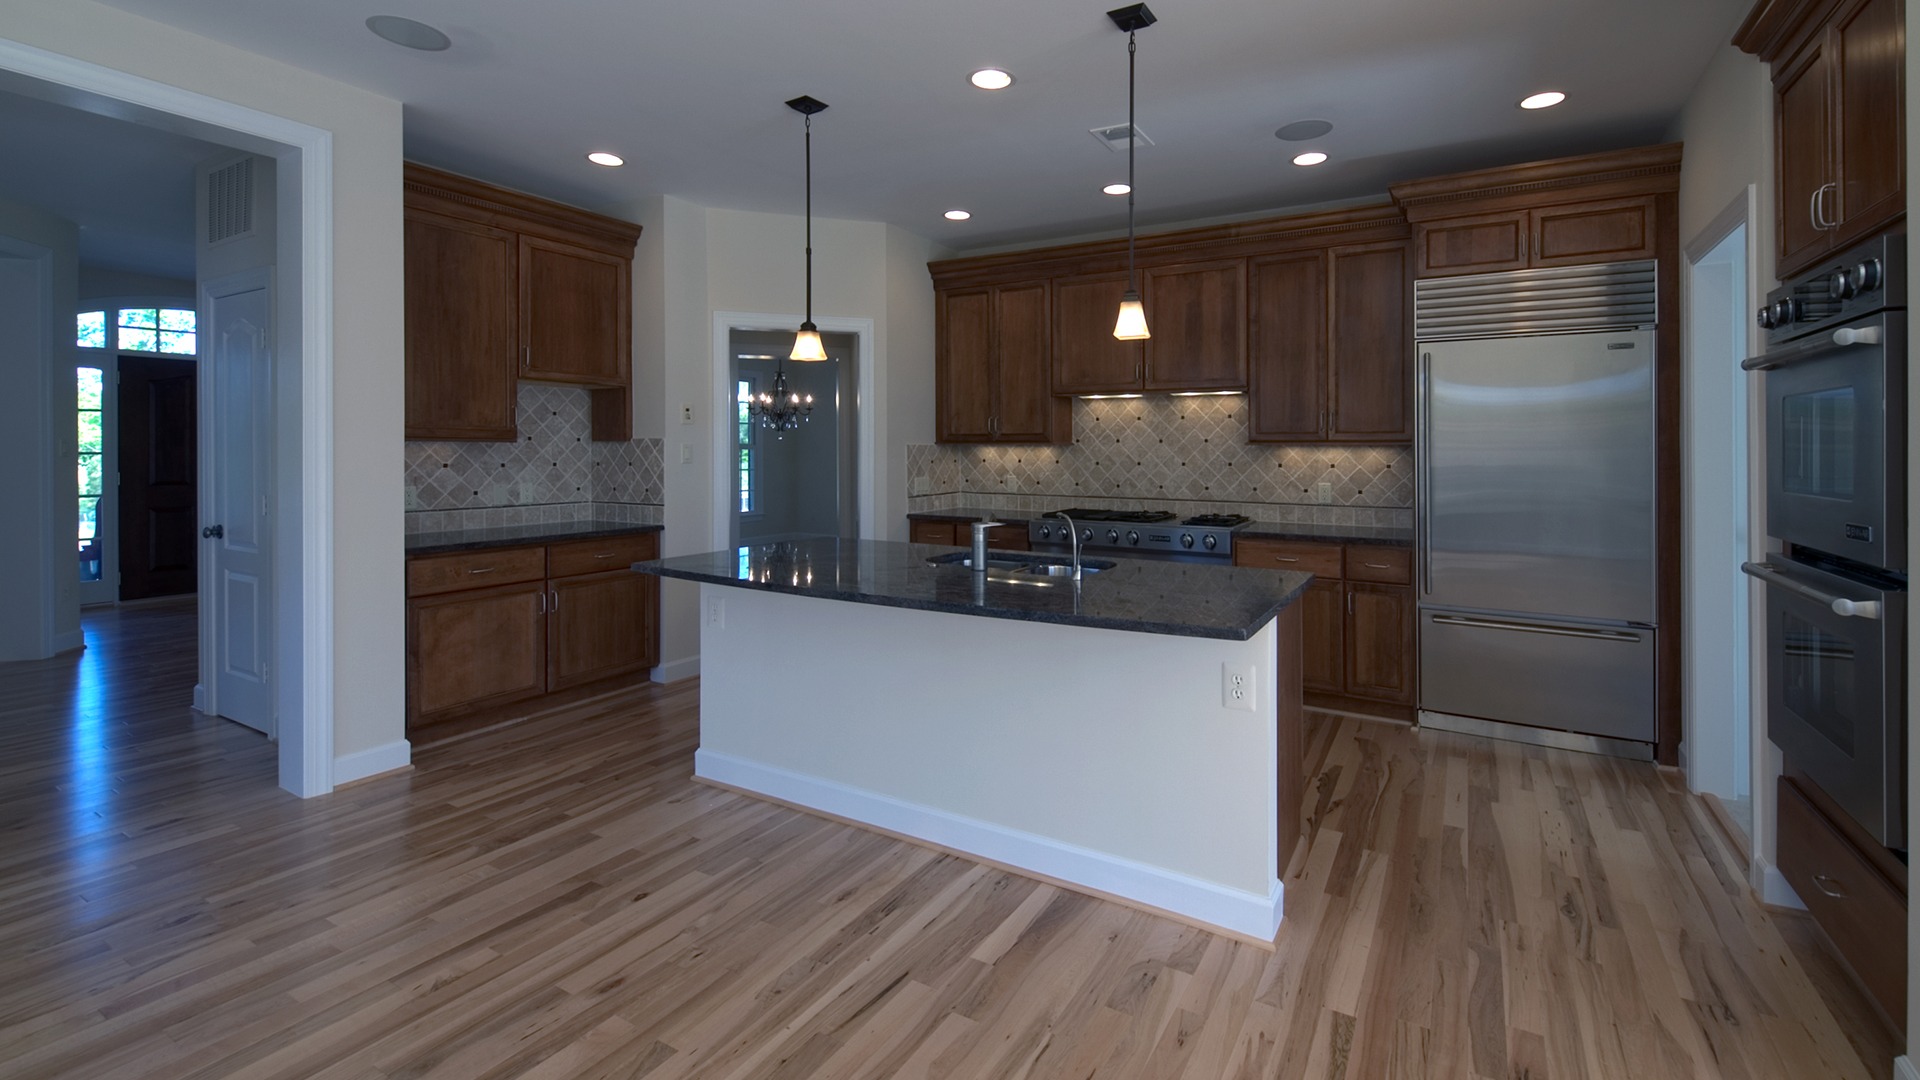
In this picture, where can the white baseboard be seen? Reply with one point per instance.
(1905, 1069)
(1242, 913)
(200, 697)
(69, 641)
(1775, 890)
(371, 762)
(675, 670)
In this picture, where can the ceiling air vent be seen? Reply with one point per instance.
(230, 201)
(1114, 136)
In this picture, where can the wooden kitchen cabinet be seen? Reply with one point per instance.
(503, 627)
(1332, 351)
(1594, 231)
(1009, 537)
(992, 369)
(1839, 83)
(1288, 375)
(1197, 313)
(1854, 888)
(1379, 642)
(1323, 636)
(1356, 621)
(1087, 358)
(502, 286)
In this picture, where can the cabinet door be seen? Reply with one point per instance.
(1198, 316)
(1609, 230)
(575, 309)
(462, 329)
(1380, 642)
(1802, 114)
(1370, 343)
(1478, 244)
(932, 532)
(1323, 635)
(1288, 392)
(1869, 59)
(1087, 358)
(1025, 408)
(598, 627)
(475, 648)
(964, 392)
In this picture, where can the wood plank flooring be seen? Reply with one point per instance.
(557, 898)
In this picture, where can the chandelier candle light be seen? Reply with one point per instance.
(1132, 323)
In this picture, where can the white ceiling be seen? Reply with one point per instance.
(691, 93)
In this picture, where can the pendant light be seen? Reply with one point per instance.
(806, 343)
(1131, 325)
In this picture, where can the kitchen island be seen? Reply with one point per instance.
(1136, 736)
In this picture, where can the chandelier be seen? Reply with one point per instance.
(780, 410)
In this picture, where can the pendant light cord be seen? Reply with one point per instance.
(809, 219)
(1132, 137)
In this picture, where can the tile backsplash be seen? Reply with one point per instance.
(554, 473)
(1186, 454)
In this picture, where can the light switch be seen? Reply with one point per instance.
(686, 453)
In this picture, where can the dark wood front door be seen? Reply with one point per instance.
(159, 461)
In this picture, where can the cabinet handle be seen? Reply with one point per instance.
(1830, 886)
(526, 358)
(543, 604)
(1376, 566)
(1285, 558)
(555, 604)
(1349, 603)
(606, 555)
(482, 570)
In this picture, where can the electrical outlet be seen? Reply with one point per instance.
(1323, 492)
(686, 414)
(1236, 686)
(716, 612)
(922, 485)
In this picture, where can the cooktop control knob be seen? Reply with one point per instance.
(1186, 540)
(1046, 531)
(1086, 535)
(1785, 311)
(1867, 276)
(1133, 537)
(1766, 318)
(1840, 286)
(1211, 541)
(1113, 536)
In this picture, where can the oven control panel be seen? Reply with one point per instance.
(1866, 279)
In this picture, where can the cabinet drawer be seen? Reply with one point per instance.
(1386, 565)
(1319, 559)
(474, 569)
(931, 532)
(592, 556)
(1862, 912)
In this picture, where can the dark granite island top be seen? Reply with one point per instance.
(445, 543)
(1178, 599)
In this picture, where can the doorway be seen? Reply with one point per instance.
(798, 482)
(1720, 750)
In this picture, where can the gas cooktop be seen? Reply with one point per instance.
(1141, 533)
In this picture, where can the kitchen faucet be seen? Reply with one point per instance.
(1073, 533)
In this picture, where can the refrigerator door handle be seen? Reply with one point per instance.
(1839, 605)
(1623, 636)
(1423, 439)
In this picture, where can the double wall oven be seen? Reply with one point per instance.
(1835, 387)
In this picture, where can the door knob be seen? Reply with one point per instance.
(213, 532)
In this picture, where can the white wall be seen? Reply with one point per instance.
(102, 283)
(39, 577)
(368, 385)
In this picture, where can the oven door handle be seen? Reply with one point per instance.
(1839, 605)
(1845, 337)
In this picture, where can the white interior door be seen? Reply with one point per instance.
(237, 393)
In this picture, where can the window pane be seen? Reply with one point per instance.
(173, 318)
(90, 382)
(92, 330)
(139, 340)
(90, 471)
(179, 343)
(90, 433)
(147, 317)
(89, 543)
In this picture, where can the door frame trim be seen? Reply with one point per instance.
(304, 210)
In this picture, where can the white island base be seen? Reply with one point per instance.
(1103, 760)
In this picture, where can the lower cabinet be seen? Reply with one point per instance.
(1008, 537)
(500, 627)
(1854, 888)
(1357, 622)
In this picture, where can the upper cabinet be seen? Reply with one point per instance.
(1589, 231)
(1198, 315)
(502, 286)
(1839, 120)
(1331, 345)
(1087, 358)
(992, 367)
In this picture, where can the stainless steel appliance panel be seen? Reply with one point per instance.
(1593, 679)
(1835, 689)
(1537, 475)
(1836, 440)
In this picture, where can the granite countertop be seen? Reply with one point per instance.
(1262, 530)
(445, 543)
(1179, 599)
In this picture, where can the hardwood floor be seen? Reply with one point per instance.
(557, 898)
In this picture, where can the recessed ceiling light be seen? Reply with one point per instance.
(407, 32)
(991, 79)
(1304, 130)
(958, 215)
(611, 161)
(1311, 157)
(1116, 189)
(1543, 101)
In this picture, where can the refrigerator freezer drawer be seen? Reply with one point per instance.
(1592, 680)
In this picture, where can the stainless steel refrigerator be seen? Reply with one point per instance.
(1536, 505)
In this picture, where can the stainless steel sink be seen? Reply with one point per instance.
(1019, 571)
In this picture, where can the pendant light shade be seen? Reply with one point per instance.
(1131, 325)
(806, 343)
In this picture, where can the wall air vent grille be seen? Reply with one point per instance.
(230, 201)
(1560, 300)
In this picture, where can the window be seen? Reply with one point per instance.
(749, 480)
(167, 330)
(92, 477)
